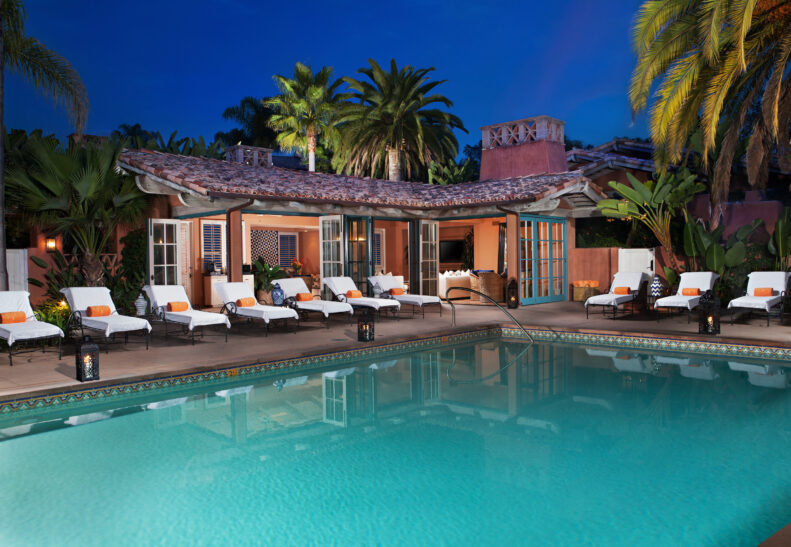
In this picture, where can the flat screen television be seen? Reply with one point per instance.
(451, 250)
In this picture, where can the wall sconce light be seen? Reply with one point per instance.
(51, 244)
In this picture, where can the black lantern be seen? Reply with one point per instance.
(709, 321)
(365, 328)
(512, 294)
(87, 360)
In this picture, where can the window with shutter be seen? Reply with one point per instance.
(212, 248)
(287, 244)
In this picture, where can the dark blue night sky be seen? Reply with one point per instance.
(174, 64)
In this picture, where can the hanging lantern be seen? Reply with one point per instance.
(87, 360)
(709, 320)
(365, 328)
(51, 244)
(512, 294)
(278, 296)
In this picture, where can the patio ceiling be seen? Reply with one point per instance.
(207, 185)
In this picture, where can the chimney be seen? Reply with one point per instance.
(524, 147)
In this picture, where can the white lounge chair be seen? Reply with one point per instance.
(293, 286)
(703, 281)
(32, 329)
(232, 293)
(773, 376)
(82, 298)
(776, 281)
(631, 280)
(341, 285)
(387, 282)
(161, 295)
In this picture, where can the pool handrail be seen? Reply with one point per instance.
(453, 324)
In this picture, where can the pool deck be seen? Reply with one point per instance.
(42, 372)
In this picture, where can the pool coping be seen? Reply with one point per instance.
(139, 385)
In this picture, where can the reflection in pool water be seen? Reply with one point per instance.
(566, 445)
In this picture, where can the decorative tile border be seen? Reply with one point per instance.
(655, 343)
(256, 371)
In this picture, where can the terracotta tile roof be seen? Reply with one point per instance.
(224, 179)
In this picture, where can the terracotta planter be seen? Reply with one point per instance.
(264, 297)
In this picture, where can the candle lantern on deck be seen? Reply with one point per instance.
(709, 321)
(512, 294)
(365, 328)
(87, 360)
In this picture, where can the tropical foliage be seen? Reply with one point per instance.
(392, 124)
(134, 136)
(265, 275)
(253, 117)
(719, 65)
(79, 192)
(653, 203)
(305, 109)
(48, 72)
(452, 172)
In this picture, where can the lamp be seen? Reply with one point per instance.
(365, 328)
(512, 294)
(709, 320)
(51, 244)
(87, 360)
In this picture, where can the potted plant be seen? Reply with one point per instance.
(265, 276)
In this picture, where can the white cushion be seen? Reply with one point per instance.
(678, 301)
(325, 307)
(339, 285)
(161, 295)
(778, 281)
(609, 299)
(110, 324)
(385, 282)
(375, 303)
(80, 298)
(32, 328)
(417, 299)
(194, 318)
(231, 292)
(292, 286)
(633, 280)
(697, 280)
(755, 302)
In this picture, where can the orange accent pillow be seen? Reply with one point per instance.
(304, 297)
(690, 292)
(354, 294)
(98, 311)
(178, 306)
(763, 291)
(12, 317)
(246, 302)
(396, 291)
(621, 290)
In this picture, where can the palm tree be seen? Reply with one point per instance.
(77, 191)
(253, 117)
(306, 108)
(390, 123)
(720, 66)
(48, 72)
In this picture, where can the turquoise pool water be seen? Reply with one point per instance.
(566, 446)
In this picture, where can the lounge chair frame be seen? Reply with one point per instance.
(614, 308)
(778, 310)
(231, 310)
(42, 339)
(75, 322)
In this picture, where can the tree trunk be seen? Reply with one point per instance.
(394, 164)
(3, 264)
(311, 150)
(93, 270)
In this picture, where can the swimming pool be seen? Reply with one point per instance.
(560, 444)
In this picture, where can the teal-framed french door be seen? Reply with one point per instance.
(543, 262)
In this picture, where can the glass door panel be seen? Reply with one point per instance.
(358, 252)
(330, 249)
(429, 257)
(163, 256)
(542, 259)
